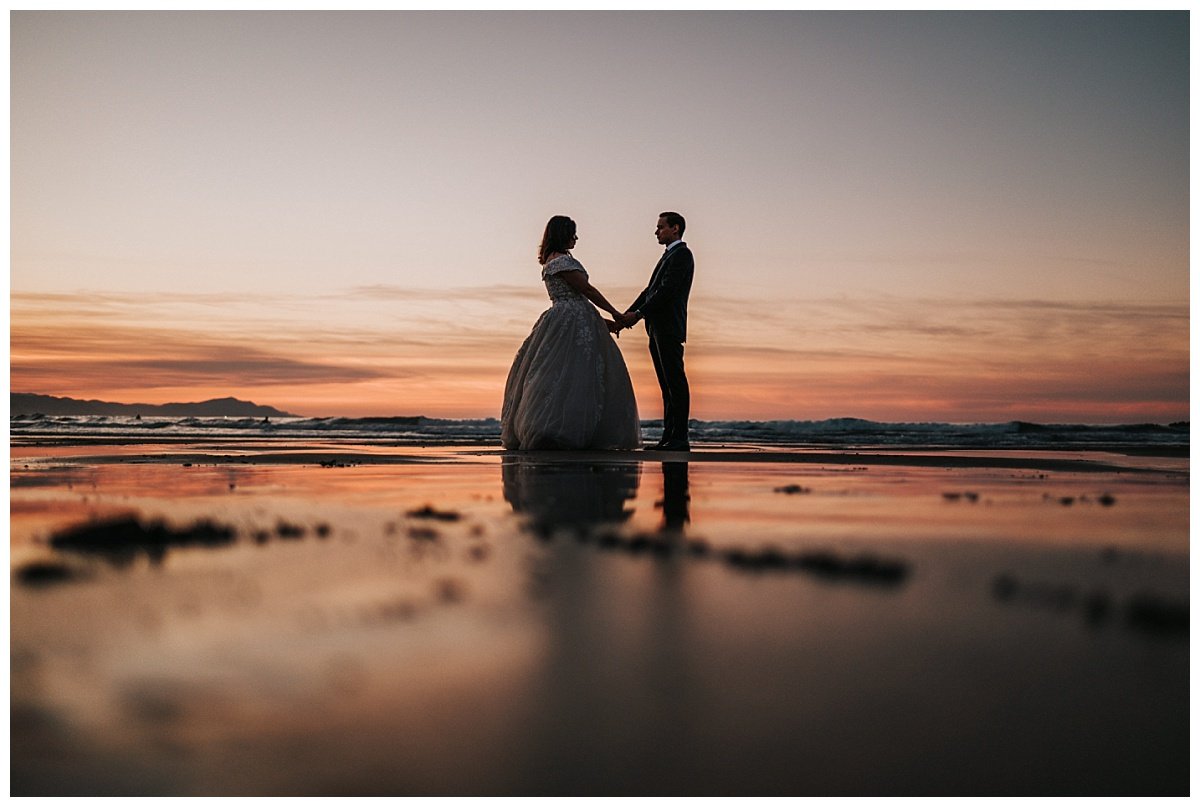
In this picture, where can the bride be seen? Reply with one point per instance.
(568, 387)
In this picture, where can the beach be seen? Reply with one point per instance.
(290, 618)
(908, 293)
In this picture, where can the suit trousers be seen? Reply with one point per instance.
(667, 353)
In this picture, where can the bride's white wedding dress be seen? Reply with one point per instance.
(568, 387)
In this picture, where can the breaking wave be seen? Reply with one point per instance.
(418, 430)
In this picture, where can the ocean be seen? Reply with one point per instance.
(841, 433)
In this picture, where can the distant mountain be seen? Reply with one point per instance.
(25, 403)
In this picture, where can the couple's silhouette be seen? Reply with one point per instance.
(568, 387)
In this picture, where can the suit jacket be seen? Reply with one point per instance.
(663, 303)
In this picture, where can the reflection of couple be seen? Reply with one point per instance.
(568, 387)
(575, 495)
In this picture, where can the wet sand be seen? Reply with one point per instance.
(268, 619)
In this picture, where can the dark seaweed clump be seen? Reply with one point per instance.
(827, 565)
(289, 531)
(1153, 614)
(1144, 612)
(437, 515)
(126, 536)
(40, 573)
(865, 569)
(641, 543)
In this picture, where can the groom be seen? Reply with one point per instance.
(663, 304)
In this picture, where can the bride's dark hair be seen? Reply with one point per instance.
(557, 237)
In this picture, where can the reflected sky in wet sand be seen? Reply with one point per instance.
(516, 626)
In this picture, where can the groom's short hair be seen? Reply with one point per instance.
(674, 220)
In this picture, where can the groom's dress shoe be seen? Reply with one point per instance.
(675, 445)
(655, 447)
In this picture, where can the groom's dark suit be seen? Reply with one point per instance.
(663, 304)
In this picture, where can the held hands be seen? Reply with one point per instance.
(620, 321)
(626, 320)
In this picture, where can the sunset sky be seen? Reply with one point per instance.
(906, 216)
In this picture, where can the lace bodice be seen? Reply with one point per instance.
(559, 290)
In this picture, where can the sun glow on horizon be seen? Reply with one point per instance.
(916, 360)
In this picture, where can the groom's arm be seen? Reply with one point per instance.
(669, 284)
(631, 316)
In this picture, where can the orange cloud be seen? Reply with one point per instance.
(392, 351)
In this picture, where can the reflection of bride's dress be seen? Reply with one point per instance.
(568, 386)
(563, 495)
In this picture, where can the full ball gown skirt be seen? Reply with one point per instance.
(568, 387)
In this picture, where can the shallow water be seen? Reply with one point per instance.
(600, 628)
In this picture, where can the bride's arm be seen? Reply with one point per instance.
(577, 281)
